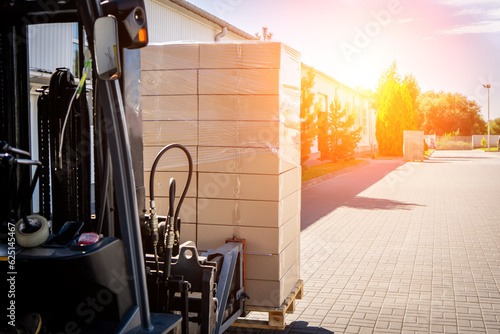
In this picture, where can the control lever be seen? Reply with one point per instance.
(5, 148)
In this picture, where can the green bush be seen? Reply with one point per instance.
(452, 145)
(483, 142)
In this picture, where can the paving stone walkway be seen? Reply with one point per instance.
(398, 247)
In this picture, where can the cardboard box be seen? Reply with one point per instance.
(239, 133)
(260, 240)
(170, 108)
(289, 231)
(245, 160)
(239, 81)
(258, 134)
(229, 212)
(248, 213)
(188, 213)
(290, 207)
(272, 267)
(161, 133)
(188, 232)
(248, 186)
(170, 56)
(289, 149)
(253, 55)
(162, 181)
(174, 160)
(290, 181)
(265, 293)
(169, 82)
(239, 107)
(240, 55)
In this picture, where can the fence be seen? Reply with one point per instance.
(476, 140)
(454, 143)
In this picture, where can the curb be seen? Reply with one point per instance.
(323, 178)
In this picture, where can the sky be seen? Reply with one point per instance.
(447, 45)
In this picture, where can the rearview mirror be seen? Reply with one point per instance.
(106, 48)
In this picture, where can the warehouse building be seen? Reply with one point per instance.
(326, 88)
(56, 45)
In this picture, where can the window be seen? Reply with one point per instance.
(75, 32)
(365, 121)
(76, 64)
(323, 100)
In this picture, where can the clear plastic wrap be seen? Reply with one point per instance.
(236, 107)
(244, 94)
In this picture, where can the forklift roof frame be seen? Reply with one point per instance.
(16, 16)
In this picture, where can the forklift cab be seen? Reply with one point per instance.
(89, 259)
(97, 285)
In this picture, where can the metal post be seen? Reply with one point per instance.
(488, 86)
(123, 176)
(489, 118)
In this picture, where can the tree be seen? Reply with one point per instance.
(395, 100)
(495, 126)
(340, 140)
(308, 129)
(322, 125)
(392, 74)
(395, 114)
(367, 92)
(414, 90)
(389, 74)
(442, 113)
(266, 34)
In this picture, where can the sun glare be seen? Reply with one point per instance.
(365, 76)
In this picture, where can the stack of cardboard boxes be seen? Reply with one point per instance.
(235, 106)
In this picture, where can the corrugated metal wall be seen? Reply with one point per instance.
(166, 24)
(51, 46)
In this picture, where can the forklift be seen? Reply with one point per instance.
(92, 258)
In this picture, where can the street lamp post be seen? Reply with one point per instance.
(488, 86)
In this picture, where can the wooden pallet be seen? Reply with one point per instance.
(276, 318)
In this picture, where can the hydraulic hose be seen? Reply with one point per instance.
(172, 215)
(153, 171)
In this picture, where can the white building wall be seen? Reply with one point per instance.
(168, 22)
(50, 46)
(325, 88)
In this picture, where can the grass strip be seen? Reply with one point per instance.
(492, 149)
(326, 168)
